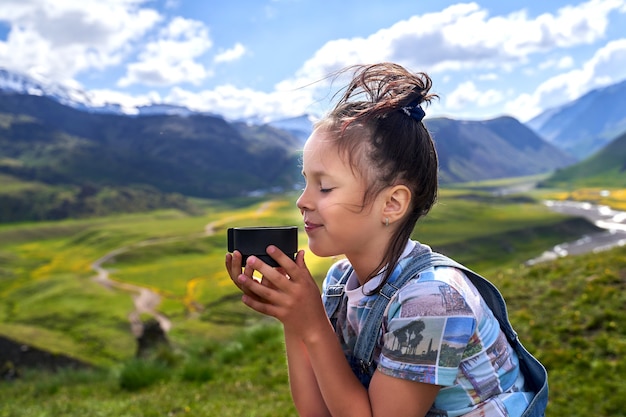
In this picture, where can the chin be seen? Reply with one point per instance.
(322, 251)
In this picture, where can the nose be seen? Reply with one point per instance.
(302, 203)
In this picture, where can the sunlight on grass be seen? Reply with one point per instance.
(614, 198)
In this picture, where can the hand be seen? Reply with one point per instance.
(233, 266)
(288, 293)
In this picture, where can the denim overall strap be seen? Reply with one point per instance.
(334, 295)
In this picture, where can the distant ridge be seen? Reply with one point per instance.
(11, 82)
(497, 148)
(606, 168)
(587, 124)
(198, 155)
(176, 150)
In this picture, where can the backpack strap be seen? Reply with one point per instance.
(534, 372)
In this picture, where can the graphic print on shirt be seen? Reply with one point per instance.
(429, 331)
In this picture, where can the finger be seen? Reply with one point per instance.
(259, 305)
(300, 259)
(233, 264)
(295, 269)
(255, 289)
(228, 260)
(279, 256)
(273, 277)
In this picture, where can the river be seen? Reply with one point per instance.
(612, 221)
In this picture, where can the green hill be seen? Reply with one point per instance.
(199, 155)
(606, 168)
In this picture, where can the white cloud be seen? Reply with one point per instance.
(128, 102)
(59, 39)
(463, 36)
(490, 76)
(607, 66)
(231, 54)
(457, 38)
(561, 63)
(609, 63)
(233, 103)
(171, 59)
(467, 94)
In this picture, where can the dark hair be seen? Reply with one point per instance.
(385, 144)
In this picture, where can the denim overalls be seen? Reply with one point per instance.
(362, 362)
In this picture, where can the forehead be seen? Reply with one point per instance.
(319, 141)
(321, 148)
(321, 154)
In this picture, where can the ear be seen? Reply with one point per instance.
(396, 204)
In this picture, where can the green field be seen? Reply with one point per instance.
(226, 360)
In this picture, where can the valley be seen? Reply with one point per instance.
(109, 223)
(50, 299)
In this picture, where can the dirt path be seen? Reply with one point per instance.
(145, 300)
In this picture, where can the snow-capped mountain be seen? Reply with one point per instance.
(13, 82)
(81, 100)
(24, 84)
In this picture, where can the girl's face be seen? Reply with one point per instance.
(332, 205)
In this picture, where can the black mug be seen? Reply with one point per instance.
(255, 240)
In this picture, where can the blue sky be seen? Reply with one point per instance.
(265, 57)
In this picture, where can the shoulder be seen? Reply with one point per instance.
(436, 291)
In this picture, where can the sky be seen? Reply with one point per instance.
(269, 58)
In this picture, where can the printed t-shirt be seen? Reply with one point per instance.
(438, 330)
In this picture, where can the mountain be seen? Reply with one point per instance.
(207, 156)
(197, 155)
(606, 168)
(471, 151)
(587, 124)
(497, 148)
(52, 135)
(300, 126)
(11, 82)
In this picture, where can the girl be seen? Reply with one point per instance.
(395, 333)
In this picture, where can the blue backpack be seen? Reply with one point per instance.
(362, 360)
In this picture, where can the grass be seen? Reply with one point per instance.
(245, 377)
(567, 312)
(225, 360)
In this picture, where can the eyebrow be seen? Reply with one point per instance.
(316, 173)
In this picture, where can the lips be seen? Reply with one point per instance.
(310, 227)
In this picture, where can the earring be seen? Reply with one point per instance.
(386, 221)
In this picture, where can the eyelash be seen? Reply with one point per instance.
(325, 190)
